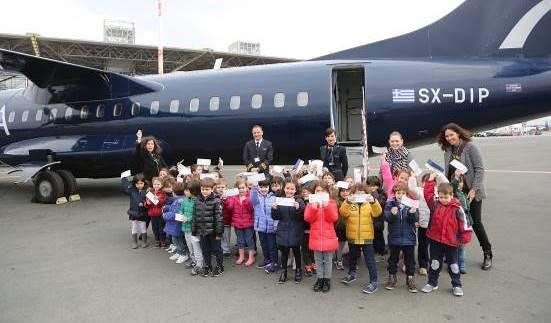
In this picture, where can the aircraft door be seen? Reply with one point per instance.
(348, 84)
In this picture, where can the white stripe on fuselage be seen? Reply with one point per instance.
(519, 34)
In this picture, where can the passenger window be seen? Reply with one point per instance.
(235, 101)
(11, 117)
(84, 113)
(135, 109)
(154, 109)
(302, 99)
(39, 114)
(279, 100)
(100, 111)
(117, 110)
(69, 114)
(214, 103)
(194, 105)
(174, 106)
(53, 114)
(25, 116)
(256, 101)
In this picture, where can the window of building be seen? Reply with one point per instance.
(68, 114)
(174, 106)
(135, 109)
(100, 111)
(214, 103)
(279, 100)
(256, 101)
(194, 105)
(302, 99)
(25, 116)
(39, 114)
(235, 101)
(11, 117)
(154, 109)
(84, 113)
(117, 110)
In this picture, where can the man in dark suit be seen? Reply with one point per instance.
(258, 153)
(334, 156)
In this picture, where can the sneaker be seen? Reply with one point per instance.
(195, 271)
(170, 248)
(217, 272)
(269, 268)
(349, 279)
(182, 259)
(227, 254)
(423, 271)
(191, 264)
(340, 266)
(428, 288)
(412, 288)
(174, 256)
(457, 291)
(391, 282)
(379, 258)
(370, 288)
(206, 272)
(261, 265)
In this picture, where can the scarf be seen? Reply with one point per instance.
(398, 159)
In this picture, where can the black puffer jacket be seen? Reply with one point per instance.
(207, 216)
(290, 228)
(135, 211)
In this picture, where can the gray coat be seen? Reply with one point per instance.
(474, 178)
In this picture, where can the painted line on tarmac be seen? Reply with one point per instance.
(518, 171)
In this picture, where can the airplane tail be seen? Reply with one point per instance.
(477, 28)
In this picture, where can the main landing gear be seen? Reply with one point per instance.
(55, 186)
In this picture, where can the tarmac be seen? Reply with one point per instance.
(73, 262)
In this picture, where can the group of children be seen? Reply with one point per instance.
(192, 217)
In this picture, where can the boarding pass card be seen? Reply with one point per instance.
(415, 167)
(298, 165)
(126, 174)
(154, 199)
(307, 178)
(433, 166)
(179, 217)
(459, 166)
(316, 167)
(360, 198)
(208, 175)
(278, 169)
(232, 192)
(379, 150)
(203, 161)
(220, 162)
(184, 171)
(357, 175)
(284, 201)
(319, 198)
(410, 202)
(255, 177)
(343, 185)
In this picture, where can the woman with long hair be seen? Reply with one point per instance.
(149, 158)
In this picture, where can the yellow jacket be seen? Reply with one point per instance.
(359, 220)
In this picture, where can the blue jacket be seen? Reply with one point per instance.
(263, 221)
(401, 227)
(173, 227)
(135, 211)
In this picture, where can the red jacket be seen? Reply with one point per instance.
(155, 210)
(448, 223)
(242, 214)
(322, 226)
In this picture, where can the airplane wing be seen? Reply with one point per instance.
(62, 82)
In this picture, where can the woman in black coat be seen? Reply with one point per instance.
(290, 230)
(149, 158)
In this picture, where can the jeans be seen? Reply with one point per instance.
(437, 253)
(324, 263)
(158, 225)
(285, 256)
(211, 246)
(478, 227)
(369, 258)
(245, 238)
(194, 247)
(179, 243)
(422, 248)
(226, 239)
(307, 254)
(461, 258)
(409, 259)
(269, 247)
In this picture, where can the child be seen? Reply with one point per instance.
(307, 254)
(401, 236)
(416, 192)
(154, 211)
(447, 230)
(262, 200)
(163, 172)
(174, 227)
(359, 232)
(277, 186)
(290, 230)
(193, 189)
(168, 185)
(329, 179)
(136, 211)
(196, 171)
(379, 244)
(340, 228)
(221, 186)
(208, 226)
(392, 177)
(323, 239)
(241, 211)
(457, 182)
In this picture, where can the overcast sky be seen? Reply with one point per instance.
(284, 28)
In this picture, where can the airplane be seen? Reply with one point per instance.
(484, 65)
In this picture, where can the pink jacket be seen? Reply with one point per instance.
(242, 214)
(388, 180)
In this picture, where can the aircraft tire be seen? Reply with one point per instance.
(69, 182)
(48, 187)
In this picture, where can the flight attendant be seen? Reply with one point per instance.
(334, 156)
(149, 158)
(258, 153)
